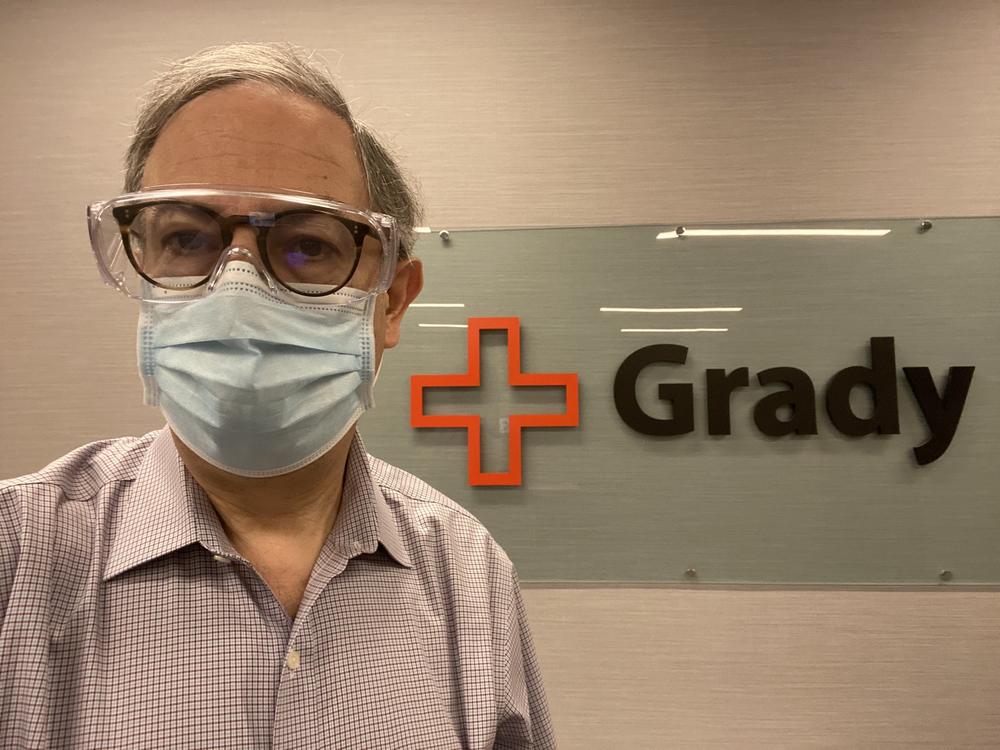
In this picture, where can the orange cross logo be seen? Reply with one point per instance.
(471, 422)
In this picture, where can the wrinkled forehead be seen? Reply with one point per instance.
(255, 136)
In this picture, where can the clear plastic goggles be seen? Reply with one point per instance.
(171, 244)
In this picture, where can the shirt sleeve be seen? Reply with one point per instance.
(525, 723)
(10, 545)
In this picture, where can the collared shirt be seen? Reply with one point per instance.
(128, 620)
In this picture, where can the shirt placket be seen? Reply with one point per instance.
(294, 714)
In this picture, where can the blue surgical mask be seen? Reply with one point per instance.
(255, 385)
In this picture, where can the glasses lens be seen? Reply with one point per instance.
(175, 245)
(312, 252)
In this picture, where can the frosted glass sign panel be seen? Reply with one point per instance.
(795, 403)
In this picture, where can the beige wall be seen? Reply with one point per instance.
(525, 113)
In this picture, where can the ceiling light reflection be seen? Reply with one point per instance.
(671, 309)
(672, 234)
(674, 330)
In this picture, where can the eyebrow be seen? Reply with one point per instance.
(244, 206)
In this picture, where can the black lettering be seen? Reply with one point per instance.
(881, 379)
(680, 394)
(940, 413)
(719, 385)
(800, 397)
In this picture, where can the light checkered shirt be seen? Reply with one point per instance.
(128, 620)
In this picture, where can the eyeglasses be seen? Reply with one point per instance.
(166, 245)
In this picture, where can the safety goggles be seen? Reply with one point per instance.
(171, 244)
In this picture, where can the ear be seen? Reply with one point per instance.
(404, 289)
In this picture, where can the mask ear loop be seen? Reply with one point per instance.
(391, 259)
(369, 352)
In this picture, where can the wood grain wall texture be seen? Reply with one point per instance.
(521, 113)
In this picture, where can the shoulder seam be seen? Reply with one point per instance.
(96, 466)
(429, 499)
(14, 484)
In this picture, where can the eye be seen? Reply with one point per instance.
(303, 250)
(188, 242)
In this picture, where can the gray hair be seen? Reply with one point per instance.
(287, 68)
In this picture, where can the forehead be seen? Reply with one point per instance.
(250, 135)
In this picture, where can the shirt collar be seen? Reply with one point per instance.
(166, 510)
(365, 519)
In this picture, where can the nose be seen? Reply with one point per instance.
(244, 249)
(245, 237)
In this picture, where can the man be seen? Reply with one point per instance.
(249, 576)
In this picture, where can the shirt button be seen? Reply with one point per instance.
(221, 559)
(293, 659)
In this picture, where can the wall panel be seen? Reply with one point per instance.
(522, 113)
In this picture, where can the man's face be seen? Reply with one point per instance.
(248, 135)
